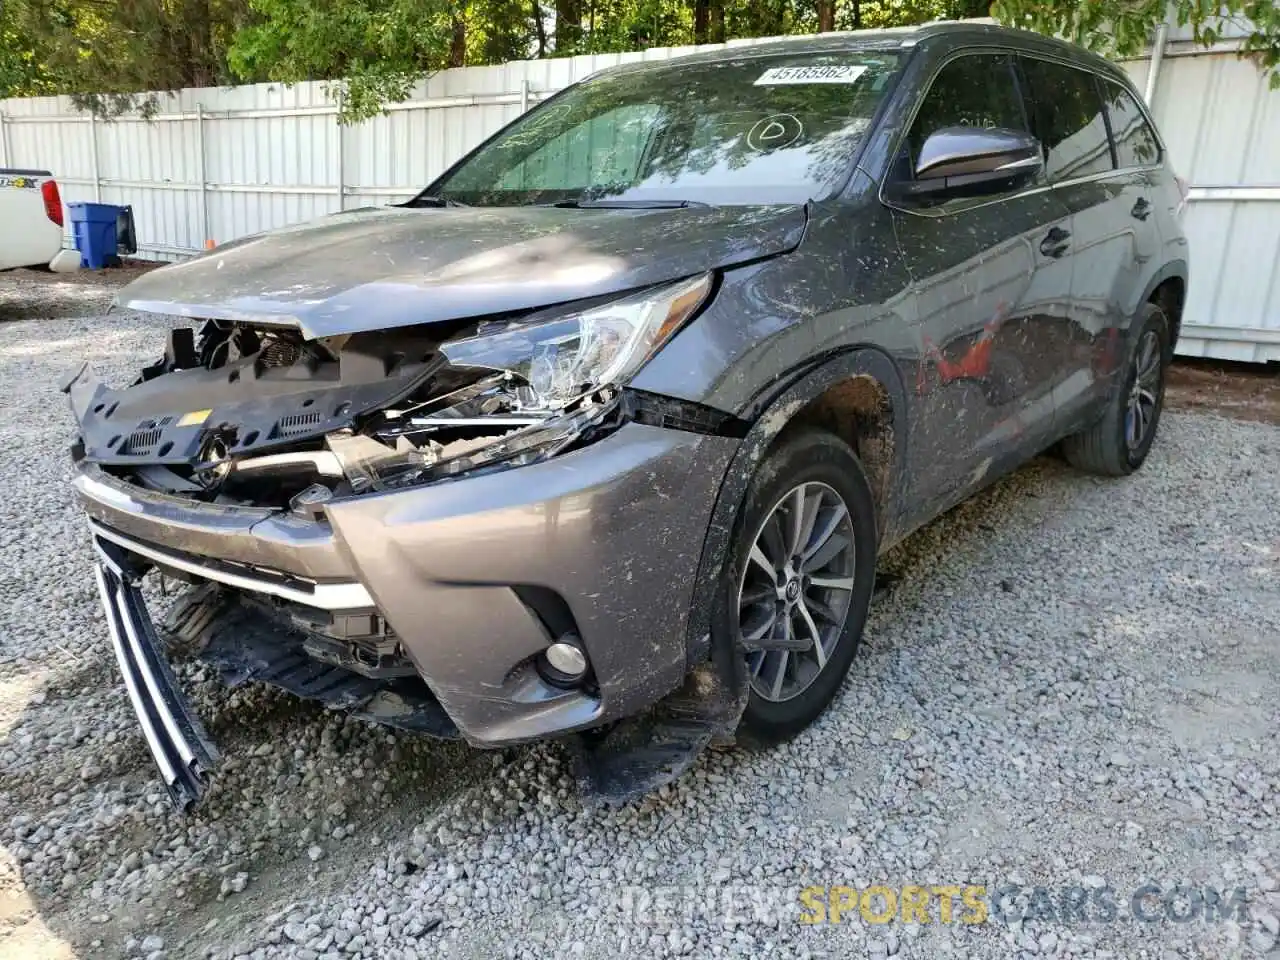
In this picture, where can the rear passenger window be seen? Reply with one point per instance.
(1066, 116)
(975, 90)
(1136, 144)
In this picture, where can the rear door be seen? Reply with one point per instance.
(1141, 183)
(1112, 232)
(990, 275)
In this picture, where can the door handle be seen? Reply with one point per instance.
(1055, 243)
(1141, 209)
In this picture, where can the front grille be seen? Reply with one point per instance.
(141, 441)
(296, 423)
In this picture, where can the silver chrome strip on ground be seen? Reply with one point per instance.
(325, 596)
(131, 686)
(157, 700)
(177, 742)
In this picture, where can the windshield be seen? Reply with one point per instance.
(776, 129)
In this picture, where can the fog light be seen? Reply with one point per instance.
(564, 663)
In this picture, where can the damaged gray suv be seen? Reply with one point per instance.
(599, 436)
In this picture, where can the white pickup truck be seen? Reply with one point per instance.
(31, 222)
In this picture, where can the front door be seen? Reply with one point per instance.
(992, 277)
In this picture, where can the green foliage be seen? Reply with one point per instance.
(1123, 27)
(108, 53)
(374, 50)
(1262, 45)
(22, 72)
(103, 52)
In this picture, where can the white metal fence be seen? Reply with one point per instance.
(216, 164)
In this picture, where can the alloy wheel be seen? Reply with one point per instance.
(1144, 395)
(796, 590)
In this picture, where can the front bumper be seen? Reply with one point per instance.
(609, 537)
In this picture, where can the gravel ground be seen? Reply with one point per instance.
(1068, 684)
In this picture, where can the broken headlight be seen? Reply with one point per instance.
(369, 465)
(561, 360)
(548, 385)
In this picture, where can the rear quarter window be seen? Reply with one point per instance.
(1136, 143)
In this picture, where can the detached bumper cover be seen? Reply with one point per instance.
(614, 530)
(181, 749)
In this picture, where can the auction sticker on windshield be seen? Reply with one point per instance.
(830, 73)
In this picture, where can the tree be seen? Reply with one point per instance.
(102, 52)
(540, 28)
(458, 38)
(761, 18)
(374, 51)
(503, 30)
(708, 21)
(701, 20)
(1122, 27)
(827, 15)
(23, 72)
(568, 26)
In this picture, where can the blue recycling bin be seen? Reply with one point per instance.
(94, 227)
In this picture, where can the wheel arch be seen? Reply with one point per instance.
(1167, 289)
(858, 394)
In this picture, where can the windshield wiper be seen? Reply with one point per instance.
(606, 204)
(433, 201)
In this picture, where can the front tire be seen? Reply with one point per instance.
(796, 591)
(1118, 444)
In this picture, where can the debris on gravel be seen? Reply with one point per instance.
(1070, 685)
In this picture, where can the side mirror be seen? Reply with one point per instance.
(972, 161)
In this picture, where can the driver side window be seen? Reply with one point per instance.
(975, 90)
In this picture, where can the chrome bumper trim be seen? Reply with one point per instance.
(177, 742)
(325, 596)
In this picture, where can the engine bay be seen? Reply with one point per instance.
(240, 414)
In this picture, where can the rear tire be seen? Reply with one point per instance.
(793, 584)
(1118, 443)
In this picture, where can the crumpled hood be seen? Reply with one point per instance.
(375, 268)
